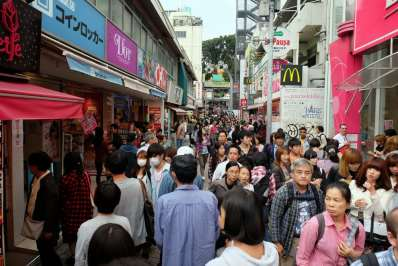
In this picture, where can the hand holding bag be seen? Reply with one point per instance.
(32, 229)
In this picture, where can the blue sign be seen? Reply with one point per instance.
(76, 22)
(157, 93)
(87, 69)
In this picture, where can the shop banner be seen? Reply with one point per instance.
(20, 33)
(120, 50)
(174, 95)
(301, 107)
(375, 22)
(151, 71)
(155, 118)
(283, 42)
(76, 22)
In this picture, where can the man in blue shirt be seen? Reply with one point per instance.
(390, 256)
(186, 227)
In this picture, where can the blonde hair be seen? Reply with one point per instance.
(391, 145)
(350, 156)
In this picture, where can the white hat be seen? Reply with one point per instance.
(184, 150)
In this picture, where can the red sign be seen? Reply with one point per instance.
(243, 102)
(374, 23)
(278, 64)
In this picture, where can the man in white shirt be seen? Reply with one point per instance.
(106, 198)
(233, 155)
(341, 137)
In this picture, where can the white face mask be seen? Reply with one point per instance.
(154, 161)
(141, 162)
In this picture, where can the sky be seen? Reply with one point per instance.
(218, 15)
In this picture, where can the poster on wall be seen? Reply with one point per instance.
(301, 107)
(155, 118)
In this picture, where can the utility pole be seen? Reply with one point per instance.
(270, 70)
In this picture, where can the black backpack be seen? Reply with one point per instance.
(369, 259)
(291, 197)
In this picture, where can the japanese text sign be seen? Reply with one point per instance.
(20, 33)
(76, 22)
(120, 50)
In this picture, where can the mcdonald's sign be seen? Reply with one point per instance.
(292, 75)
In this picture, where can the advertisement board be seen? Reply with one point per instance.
(120, 50)
(301, 107)
(76, 22)
(375, 22)
(283, 42)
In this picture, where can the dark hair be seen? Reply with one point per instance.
(309, 154)
(390, 132)
(244, 220)
(136, 167)
(185, 168)
(222, 131)
(107, 197)
(231, 164)
(293, 142)
(109, 242)
(233, 147)
(98, 136)
(246, 161)
(392, 222)
(127, 261)
(320, 128)
(200, 134)
(41, 160)
(303, 128)
(279, 135)
(249, 169)
(259, 159)
(380, 165)
(214, 156)
(343, 188)
(115, 126)
(73, 162)
(155, 150)
(117, 162)
(391, 161)
(331, 151)
(131, 137)
(245, 133)
(315, 143)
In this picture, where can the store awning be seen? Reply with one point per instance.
(178, 110)
(27, 101)
(157, 93)
(255, 106)
(380, 74)
(136, 85)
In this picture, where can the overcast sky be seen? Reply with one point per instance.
(218, 15)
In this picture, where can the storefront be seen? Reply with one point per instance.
(363, 72)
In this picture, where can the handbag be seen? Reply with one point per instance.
(32, 229)
(149, 215)
(374, 240)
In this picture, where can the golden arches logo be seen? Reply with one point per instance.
(292, 71)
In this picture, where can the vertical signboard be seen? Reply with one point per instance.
(121, 51)
(301, 107)
(1, 195)
(76, 22)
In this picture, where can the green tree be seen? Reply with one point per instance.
(219, 49)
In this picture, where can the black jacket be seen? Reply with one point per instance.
(47, 205)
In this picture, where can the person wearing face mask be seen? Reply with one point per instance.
(228, 182)
(348, 168)
(141, 171)
(159, 169)
(319, 174)
(370, 197)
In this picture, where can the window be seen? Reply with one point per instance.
(136, 30)
(103, 6)
(117, 13)
(127, 24)
(149, 45)
(143, 38)
(181, 34)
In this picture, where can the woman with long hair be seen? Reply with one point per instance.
(392, 164)
(343, 237)
(370, 198)
(141, 171)
(348, 168)
(202, 151)
(330, 160)
(218, 156)
(281, 167)
(75, 198)
(318, 175)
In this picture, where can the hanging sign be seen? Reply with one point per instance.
(283, 42)
(292, 75)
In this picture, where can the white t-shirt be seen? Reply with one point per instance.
(88, 228)
(341, 139)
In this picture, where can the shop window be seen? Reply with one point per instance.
(181, 34)
(338, 16)
(117, 13)
(136, 30)
(127, 24)
(143, 38)
(103, 6)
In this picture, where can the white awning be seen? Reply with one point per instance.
(178, 110)
(380, 74)
(255, 106)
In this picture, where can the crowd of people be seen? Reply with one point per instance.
(222, 196)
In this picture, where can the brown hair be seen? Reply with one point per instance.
(391, 161)
(170, 152)
(380, 165)
(350, 156)
(279, 153)
(391, 144)
(381, 138)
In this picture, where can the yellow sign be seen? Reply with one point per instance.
(291, 75)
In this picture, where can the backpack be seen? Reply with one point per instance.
(369, 259)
